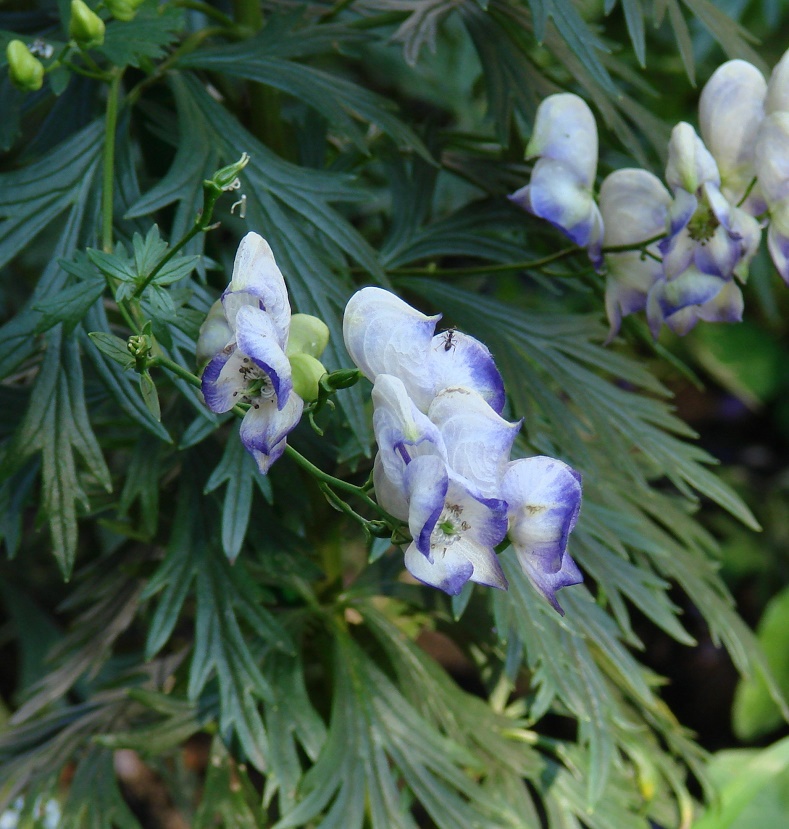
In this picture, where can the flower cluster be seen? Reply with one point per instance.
(443, 454)
(693, 240)
(248, 339)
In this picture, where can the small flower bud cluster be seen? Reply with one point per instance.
(443, 464)
(691, 242)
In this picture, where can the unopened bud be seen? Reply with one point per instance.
(85, 27)
(227, 177)
(214, 334)
(343, 379)
(308, 335)
(25, 70)
(124, 10)
(306, 372)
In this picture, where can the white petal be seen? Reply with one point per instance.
(565, 130)
(778, 88)
(456, 359)
(730, 111)
(257, 338)
(634, 206)
(402, 432)
(772, 157)
(478, 441)
(690, 163)
(256, 274)
(265, 426)
(385, 335)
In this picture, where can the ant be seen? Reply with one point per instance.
(448, 339)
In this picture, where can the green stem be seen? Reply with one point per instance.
(109, 161)
(201, 224)
(180, 371)
(747, 192)
(531, 264)
(293, 454)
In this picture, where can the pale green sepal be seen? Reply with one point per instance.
(85, 26)
(308, 335)
(306, 373)
(25, 70)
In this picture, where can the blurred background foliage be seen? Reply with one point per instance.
(384, 135)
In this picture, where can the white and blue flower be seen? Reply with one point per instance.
(252, 367)
(561, 187)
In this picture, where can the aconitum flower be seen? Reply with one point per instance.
(561, 186)
(385, 335)
(731, 109)
(252, 367)
(444, 449)
(543, 498)
(772, 166)
(634, 205)
(454, 530)
(710, 241)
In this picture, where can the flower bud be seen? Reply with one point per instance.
(343, 378)
(85, 27)
(214, 334)
(306, 372)
(308, 335)
(227, 177)
(25, 70)
(124, 10)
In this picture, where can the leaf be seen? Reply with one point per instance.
(754, 711)
(340, 101)
(237, 469)
(150, 396)
(154, 28)
(70, 306)
(112, 347)
(32, 197)
(372, 730)
(755, 770)
(57, 424)
(225, 598)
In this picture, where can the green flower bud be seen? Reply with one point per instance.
(227, 177)
(85, 27)
(308, 335)
(124, 10)
(343, 378)
(25, 70)
(306, 372)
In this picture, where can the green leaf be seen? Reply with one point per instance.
(70, 305)
(117, 265)
(238, 470)
(154, 28)
(339, 100)
(112, 347)
(57, 425)
(32, 197)
(150, 396)
(754, 770)
(755, 712)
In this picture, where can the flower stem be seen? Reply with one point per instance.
(511, 267)
(206, 9)
(109, 161)
(293, 454)
(201, 224)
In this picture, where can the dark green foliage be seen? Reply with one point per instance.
(209, 600)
